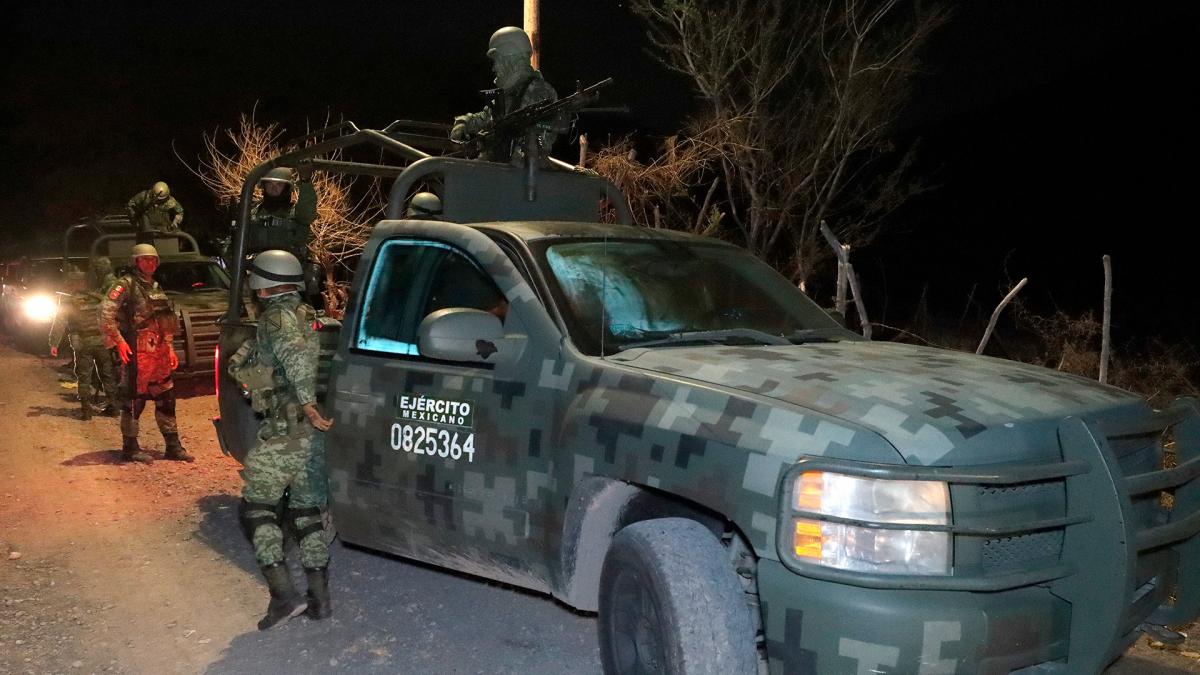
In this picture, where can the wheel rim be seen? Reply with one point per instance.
(637, 644)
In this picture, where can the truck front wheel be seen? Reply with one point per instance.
(671, 603)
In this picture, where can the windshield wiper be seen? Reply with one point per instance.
(686, 336)
(807, 335)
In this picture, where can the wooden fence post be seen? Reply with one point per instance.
(1106, 339)
(987, 334)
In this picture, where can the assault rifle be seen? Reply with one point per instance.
(515, 126)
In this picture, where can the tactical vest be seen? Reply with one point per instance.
(84, 317)
(148, 310)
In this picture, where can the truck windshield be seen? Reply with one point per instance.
(191, 276)
(620, 294)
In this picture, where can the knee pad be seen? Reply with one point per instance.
(302, 531)
(263, 515)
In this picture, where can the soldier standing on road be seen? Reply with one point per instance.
(102, 273)
(77, 317)
(290, 452)
(155, 210)
(139, 324)
(519, 86)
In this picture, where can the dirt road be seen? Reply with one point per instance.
(109, 567)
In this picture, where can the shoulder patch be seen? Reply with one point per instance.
(116, 292)
(279, 318)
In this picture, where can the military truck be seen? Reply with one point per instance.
(196, 284)
(659, 428)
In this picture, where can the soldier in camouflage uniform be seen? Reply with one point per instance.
(102, 274)
(139, 324)
(424, 206)
(518, 85)
(278, 223)
(155, 209)
(77, 317)
(290, 453)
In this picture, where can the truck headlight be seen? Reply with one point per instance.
(860, 547)
(40, 308)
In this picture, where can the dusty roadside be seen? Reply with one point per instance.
(101, 568)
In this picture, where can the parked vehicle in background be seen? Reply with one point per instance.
(33, 288)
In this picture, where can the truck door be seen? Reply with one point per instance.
(437, 460)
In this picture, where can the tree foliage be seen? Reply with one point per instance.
(799, 101)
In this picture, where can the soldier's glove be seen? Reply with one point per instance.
(124, 351)
(174, 360)
(175, 223)
(304, 172)
(53, 352)
(315, 418)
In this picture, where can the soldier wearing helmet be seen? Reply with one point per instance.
(518, 85)
(155, 210)
(138, 325)
(276, 222)
(76, 318)
(290, 451)
(424, 206)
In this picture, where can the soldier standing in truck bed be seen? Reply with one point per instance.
(155, 210)
(518, 86)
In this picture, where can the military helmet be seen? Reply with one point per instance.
(101, 265)
(273, 268)
(142, 250)
(280, 174)
(423, 204)
(509, 41)
(160, 191)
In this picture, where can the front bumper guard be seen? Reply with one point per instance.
(1096, 571)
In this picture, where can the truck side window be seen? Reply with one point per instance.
(412, 278)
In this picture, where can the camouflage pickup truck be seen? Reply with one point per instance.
(659, 428)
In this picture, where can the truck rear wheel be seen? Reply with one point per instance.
(670, 602)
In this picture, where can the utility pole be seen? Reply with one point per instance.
(535, 33)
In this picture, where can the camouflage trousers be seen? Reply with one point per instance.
(293, 461)
(91, 358)
(164, 413)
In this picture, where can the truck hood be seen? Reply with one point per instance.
(934, 406)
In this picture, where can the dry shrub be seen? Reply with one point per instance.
(1154, 369)
(662, 192)
(1159, 371)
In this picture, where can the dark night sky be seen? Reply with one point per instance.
(1057, 130)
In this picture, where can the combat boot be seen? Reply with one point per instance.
(285, 604)
(109, 410)
(85, 413)
(318, 593)
(175, 449)
(132, 452)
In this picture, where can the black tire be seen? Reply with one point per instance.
(671, 603)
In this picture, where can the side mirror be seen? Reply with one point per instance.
(462, 334)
